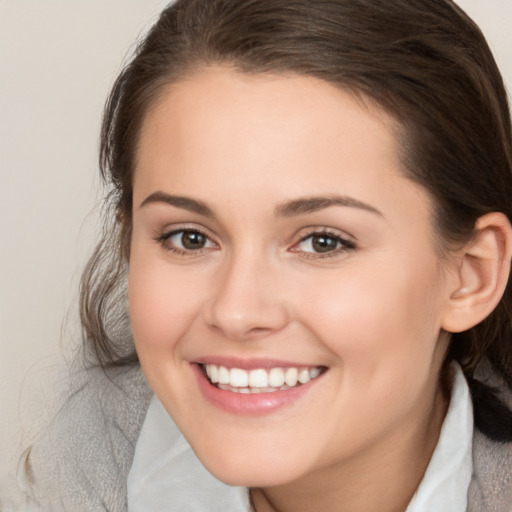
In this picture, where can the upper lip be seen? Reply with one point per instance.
(253, 364)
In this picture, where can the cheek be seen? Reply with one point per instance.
(383, 335)
(162, 302)
(383, 325)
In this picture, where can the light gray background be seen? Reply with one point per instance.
(58, 59)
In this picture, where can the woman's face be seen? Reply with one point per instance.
(276, 238)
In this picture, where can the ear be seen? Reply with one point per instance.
(482, 273)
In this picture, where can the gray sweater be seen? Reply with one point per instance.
(81, 462)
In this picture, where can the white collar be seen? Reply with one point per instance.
(445, 485)
(166, 474)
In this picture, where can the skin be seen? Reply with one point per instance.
(371, 312)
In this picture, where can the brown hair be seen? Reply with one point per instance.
(424, 61)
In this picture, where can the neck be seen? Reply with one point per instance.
(384, 477)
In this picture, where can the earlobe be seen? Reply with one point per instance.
(482, 274)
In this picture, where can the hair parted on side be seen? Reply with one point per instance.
(425, 62)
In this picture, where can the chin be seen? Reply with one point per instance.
(251, 477)
(241, 472)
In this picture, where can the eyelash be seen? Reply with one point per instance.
(345, 245)
(163, 240)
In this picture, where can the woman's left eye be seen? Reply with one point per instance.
(323, 244)
(186, 241)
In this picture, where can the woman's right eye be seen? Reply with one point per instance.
(185, 241)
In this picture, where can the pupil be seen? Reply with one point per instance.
(193, 240)
(323, 243)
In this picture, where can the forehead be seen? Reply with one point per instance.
(218, 109)
(267, 136)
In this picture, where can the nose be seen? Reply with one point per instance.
(248, 299)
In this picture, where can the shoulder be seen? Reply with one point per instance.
(491, 485)
(82, 459)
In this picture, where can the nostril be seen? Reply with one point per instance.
(239, 332)
(259, 330)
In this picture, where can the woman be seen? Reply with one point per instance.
(312, 215)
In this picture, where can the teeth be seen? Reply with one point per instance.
(276, 377)
(314, 373)
(290, 377)
(213, 373)
(223, 375)
(304, 376)
(259, 380)
(238, 378)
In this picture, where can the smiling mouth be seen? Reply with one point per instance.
(260, 380)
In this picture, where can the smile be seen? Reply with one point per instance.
(259, 380)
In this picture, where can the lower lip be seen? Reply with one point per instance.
(250, 404)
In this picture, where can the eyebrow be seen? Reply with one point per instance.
(295, 207)
(313, 204)
(186, 203)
